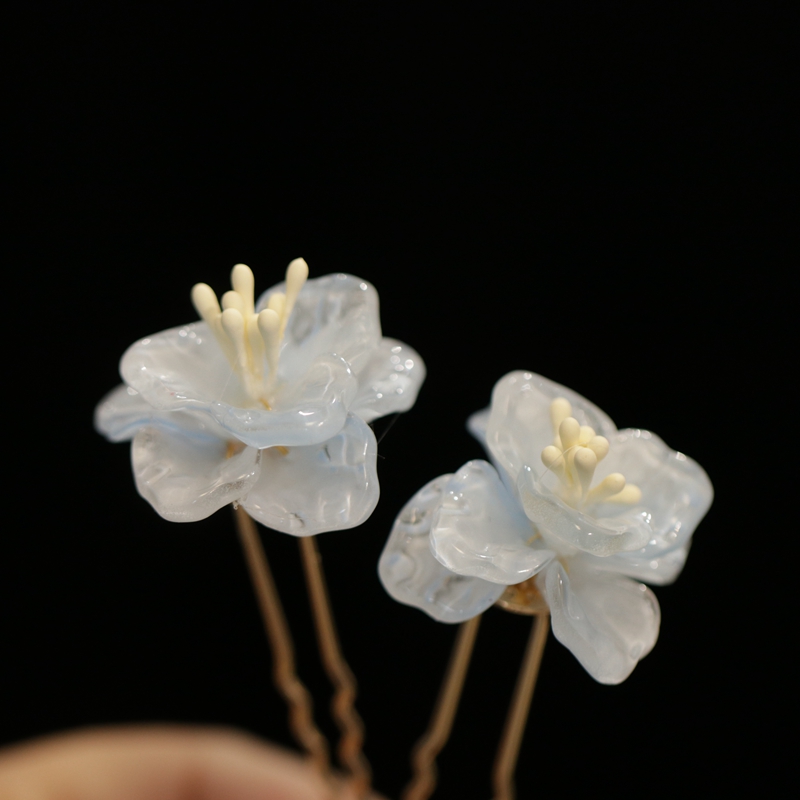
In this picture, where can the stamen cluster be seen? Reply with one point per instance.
(573, 458)
(250, 340)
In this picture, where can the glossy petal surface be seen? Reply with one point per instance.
(411, 574)
(519, 426)
(477, 425)
(121, 413)
(478, 529)
(389, 382)
(184, 368)
(608, 622)
(659, 569)
(676, 492)
(187, 473)
(322, 487)
(568, 530)
(334, 314)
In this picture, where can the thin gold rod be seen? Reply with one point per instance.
(423, 756)
(339, 673)
(508, 751)
(301, 720)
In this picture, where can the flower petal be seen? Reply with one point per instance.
(479, 530)
(121, 413)
(389, 382)
(676, 494)
(607, 621)
(322, 487)
(659, 570)
(411, 575)
(567, 529)
(187, 473)
(307, 412)
(333, 314)
(180, 368)
(519, 426)
(184, 368)
(477, 425)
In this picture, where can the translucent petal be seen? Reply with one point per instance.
(477, 425)
(121, 413)
(659, 569)
(389, 382)
(306, 412)
(411, 575)
(186, 473)
(676, 494)
(181, 367)
(479, 530)
(568, 530)
(608, 622)
(184, 368)
(333, 314)
(321, 487)
(519, 425)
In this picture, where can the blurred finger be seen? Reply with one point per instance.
(155, 763)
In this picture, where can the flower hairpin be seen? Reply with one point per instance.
(265, 404)
(567, 520)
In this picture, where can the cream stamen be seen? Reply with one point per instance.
(586, 435)
(553, 459)
(296, 276)
(233, 300)
(244, 283)
(574, 456)
(585, 464)
(569, 431)
(610, 485)
(630, 495)
(599, 446)
(560, 409)
(248, 339)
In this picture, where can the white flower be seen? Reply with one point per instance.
(571, 500)
(265, 404)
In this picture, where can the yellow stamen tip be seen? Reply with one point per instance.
(244, 283)
(586, 435)
(205, 301)
(585, 463)
(233, 300)
(569, 431)
(560, 409)
(551, 456)
(296, 275)
(600, 446)
(629, 495)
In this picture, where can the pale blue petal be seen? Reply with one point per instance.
(676, 494)
(333, 314)
(568, 530)
(185, 369)
(187, 473)
(121, 413)
(519, 426)
(411, 575)
(607, 621)
(479, 529)
(389, 382)
(323, 487)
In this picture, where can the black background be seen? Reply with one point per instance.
(597, 194)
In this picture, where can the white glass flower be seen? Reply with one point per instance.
(265, 404)
(577, 509)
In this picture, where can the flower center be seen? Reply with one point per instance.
(573, 458)
(250, 340)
